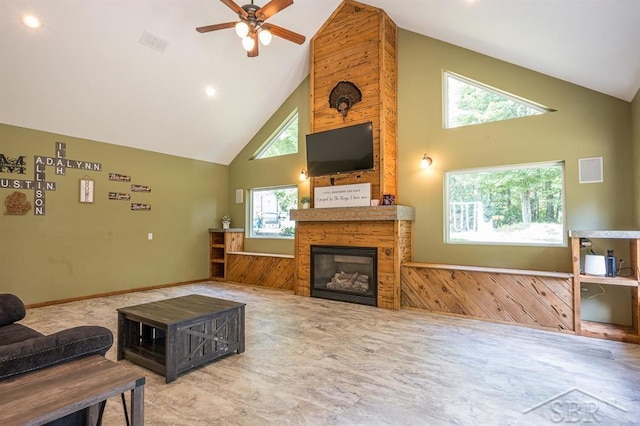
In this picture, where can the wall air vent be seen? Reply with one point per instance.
(154, 42)
(590, 170)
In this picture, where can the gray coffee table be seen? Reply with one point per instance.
(175, 335)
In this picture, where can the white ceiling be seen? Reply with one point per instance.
(85, 74)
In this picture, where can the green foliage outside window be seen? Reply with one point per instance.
(523, 204)
(284, 142)
(287, 199)
(472, 103)
(270, 209)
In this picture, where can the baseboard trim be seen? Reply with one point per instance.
(113, 293)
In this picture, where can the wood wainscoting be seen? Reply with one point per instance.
(262, 269)
(531, 298)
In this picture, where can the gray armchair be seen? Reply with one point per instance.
(23, 349)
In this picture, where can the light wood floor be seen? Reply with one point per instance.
(317, 362)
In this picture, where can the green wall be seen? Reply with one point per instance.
(85, 249)
(245, 173)
(586, 124)
(635, 137)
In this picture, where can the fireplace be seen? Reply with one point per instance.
(348, 274)
(387, 229)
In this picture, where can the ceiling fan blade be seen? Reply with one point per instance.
(215, 27)
(271, 8)
(286, 34)
(236, 8)
(253, 52)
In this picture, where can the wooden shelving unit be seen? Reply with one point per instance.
(222, 242)
(605, 330)
(621, 281)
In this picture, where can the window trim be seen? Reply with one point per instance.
(447, 173)
(274, 137)
(482, 86)
(250, 233)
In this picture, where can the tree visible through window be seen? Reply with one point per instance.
(469, 102)
(284, 141)
(510, 205)
(270, 211)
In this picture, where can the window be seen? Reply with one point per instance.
(522, 204)
(284, 141)
(270, 211)
(468, 102)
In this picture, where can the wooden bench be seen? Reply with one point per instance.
(537, 299)
(261, 269)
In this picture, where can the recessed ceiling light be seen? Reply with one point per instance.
(31, 21)
(210, 91)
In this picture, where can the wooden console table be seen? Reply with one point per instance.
(45, 395)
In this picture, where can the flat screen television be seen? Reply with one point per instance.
(342, 150)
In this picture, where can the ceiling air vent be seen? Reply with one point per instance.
(154, 42)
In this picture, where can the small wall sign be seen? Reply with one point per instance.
(140, 207)
(86, 190)
(119, 196)
(140, 188)
(355, 195)
(119, 178)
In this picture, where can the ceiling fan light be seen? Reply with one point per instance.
(31, 21)
(242, 29)
(265, 36)
(248, 43)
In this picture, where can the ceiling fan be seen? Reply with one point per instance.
(251, 28)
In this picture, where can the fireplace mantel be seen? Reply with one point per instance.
(395, 212)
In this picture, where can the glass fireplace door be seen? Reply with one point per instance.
(347, 274)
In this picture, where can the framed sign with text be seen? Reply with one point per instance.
(355, 195)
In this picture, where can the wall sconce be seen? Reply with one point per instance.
(426, 161)
(303, 174)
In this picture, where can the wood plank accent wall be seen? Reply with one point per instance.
(358, 43)
(261, 269)
(530, 298)
(389, 107)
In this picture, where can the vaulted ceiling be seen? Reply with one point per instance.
(86, 74)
